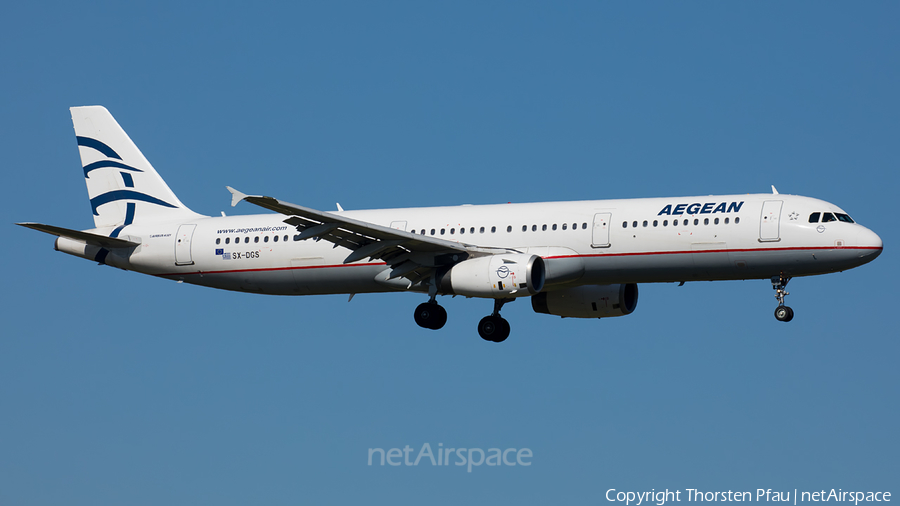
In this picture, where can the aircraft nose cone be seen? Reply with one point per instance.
(869, 240)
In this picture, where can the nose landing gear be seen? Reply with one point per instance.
(782, 313)
(494, 327)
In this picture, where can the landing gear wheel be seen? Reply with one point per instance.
(430, 315)
(493, 328)
(784, 314)
(505, 331)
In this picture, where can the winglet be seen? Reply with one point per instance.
(236, 196)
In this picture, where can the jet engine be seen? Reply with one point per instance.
(496, 276)
(588, 301)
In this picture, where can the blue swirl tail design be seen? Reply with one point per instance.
(115, 170)
(115, 195)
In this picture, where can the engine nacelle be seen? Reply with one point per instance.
(588, 301)
(496, 276)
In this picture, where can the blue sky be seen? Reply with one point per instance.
(117, 388)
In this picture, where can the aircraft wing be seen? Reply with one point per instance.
(409, 255)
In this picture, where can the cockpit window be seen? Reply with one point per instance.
(844, 218)
(826, 217)
(814, 217)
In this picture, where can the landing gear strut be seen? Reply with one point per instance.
(494, 327)
(782, 313)
(430, 315)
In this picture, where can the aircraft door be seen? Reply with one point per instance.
(600, 234)
(769, 221)
(183, 245)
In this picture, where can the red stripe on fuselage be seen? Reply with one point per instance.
(272, 269)
(684, 252)
(640, 253)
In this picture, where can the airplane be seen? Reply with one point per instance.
(579, 259)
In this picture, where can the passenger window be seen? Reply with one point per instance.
(493, 230)
(717, 221)
(275, 238)
(453, 231)
(726, 221)
(565, 226)
(706, 221)
(814, 217)
(481, 230)
(737, 220)
(574, 226)
(696, 221)
(256, 239)
(218, 240)
(524, 228)
(844, 218)
(645, 223)
(655, 223)
(227, 240)
(554, 226)
(534, 228)
(432, 231)
(285, 238)
(266, 239)
(584, 226)
(665, 223)
(544, 227)
(633, 224)
(508, 228)
(237, 240)
(462, 230)
(247, 239)
(472, 230)
(442, 231)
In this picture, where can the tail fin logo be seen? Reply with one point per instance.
(115, 195)
(98, 145)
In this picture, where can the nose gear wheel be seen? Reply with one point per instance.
(782, 313)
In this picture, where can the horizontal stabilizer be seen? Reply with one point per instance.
(89, 238)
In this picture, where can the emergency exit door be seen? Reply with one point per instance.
(600, 235)
(183, 245)
(769, 221)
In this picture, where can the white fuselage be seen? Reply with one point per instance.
(592, 242)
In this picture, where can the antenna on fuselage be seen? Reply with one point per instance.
(774, 191)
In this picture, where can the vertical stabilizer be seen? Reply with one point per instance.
(122, 185)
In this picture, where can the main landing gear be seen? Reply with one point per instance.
(431, 315)
(494, 327)
(782, 313)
